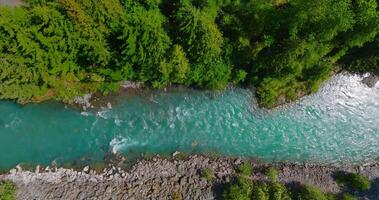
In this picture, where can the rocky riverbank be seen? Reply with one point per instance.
(162, 178)
(97, 100)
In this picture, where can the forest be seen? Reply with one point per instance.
(59, 49)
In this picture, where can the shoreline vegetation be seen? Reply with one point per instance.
(61, 49)
(197, 177)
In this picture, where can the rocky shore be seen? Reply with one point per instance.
(97, 100)
(163, 178)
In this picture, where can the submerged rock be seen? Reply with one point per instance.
(109, 105)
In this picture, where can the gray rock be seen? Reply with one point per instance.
(175, 154)
(109, 105)
(38, 169)
(371, 80)
(86, 169)
(131, 85)
(19, 168)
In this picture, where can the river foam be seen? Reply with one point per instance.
(339, 124)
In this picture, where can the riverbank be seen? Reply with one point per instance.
(99, 101)
(163, 178)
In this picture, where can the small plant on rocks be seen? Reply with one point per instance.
(177, 196)
(208, 174)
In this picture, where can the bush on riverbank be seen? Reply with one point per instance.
(243, 188)
(63, 48)
(353, 181)
(208, 174)
(7, 191)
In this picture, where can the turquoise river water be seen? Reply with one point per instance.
(339, 124)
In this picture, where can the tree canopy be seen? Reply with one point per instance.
(285, 48)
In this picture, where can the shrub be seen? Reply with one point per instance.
(261, 192)
(353, 181)
(347, 197)
(7, 191)
(239, 189)
(310, 193)
(272, 174)
(245, 169)
(208, 174)
(278, 191)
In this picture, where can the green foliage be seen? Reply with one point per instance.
(145, 42)
(290, 50)
(272, 174)
(279, 192)
(347, 197)
(261, 192)
(353, 181)
(364, 59)
(177, 196)
(310, 193)
(197, 32)
(286, 49)
(176, 70)
(208, 174)
(7, 191)
(240, 189)
(245, 169)
(245, 188)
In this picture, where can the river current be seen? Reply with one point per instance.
(337, 125)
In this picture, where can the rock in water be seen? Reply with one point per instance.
(19, 168)
(13, 171)
(175, 154)
(371, 80)
(109, 105)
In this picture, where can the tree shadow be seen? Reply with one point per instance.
(373, 193)
(218, 189)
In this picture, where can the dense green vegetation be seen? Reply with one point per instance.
(286, 48)
(244, 188)
(7, 191)
(353, 181)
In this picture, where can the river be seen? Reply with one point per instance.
(337, 125)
